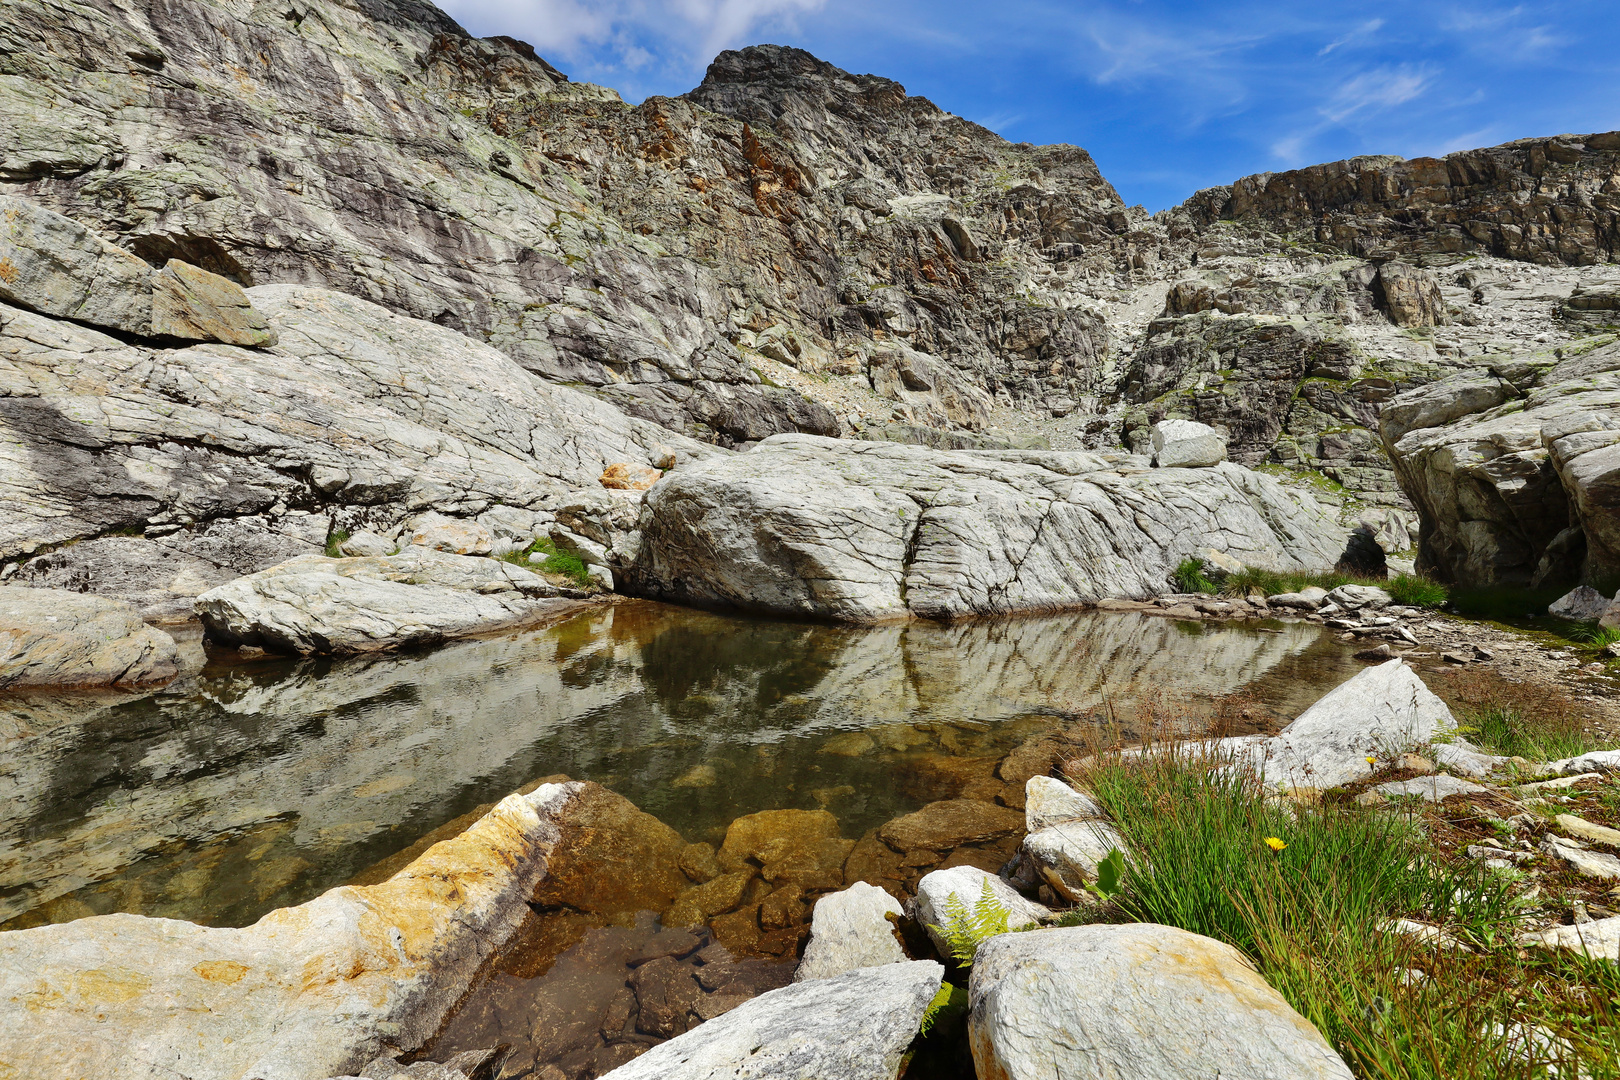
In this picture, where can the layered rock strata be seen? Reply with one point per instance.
(868, 532)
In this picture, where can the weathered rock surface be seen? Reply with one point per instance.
(313, 604)
(1581, 603)
(56, 266)
(369, 416)
(949, 824)
(855, 1025)
(1186, 444)
(196, 305)
(1151, 1001)
(1379, 713)
(1048, 801)
(850, 930)
(1599, 939)
(1470, 201)
(866, 532)
(50, 637)
(308, 991)
(1516, 470)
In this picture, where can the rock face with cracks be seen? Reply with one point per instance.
(1139, 1000)
(866, 532)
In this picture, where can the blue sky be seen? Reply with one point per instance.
(1168, 96)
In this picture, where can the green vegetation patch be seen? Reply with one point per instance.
(1303, 890)
(563, 563)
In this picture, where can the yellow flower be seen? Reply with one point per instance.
(1371, 760)
(1274, 843)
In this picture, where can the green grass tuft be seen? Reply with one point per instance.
(1516, 732)
(1189, 577)
(555, 562)
(1409, 590)
(1413, 591)
(334, 543)
(1308, 914)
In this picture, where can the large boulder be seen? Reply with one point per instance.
(855, 1026)
(55, 266)
(1069, 835)
(866, 532)
(850, 930)
(1581, 604)
(1379, 713)
(1515, 470)
(50, 637)
(1138, 1000)
(314, 990)
(312, 604)
(1186, 444)
(193, 304)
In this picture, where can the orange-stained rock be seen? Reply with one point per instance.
(617, 860)
(628, 477)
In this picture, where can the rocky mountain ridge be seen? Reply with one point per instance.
(792, 248)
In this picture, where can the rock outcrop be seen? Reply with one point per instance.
(1551, 201)
(1516, 469)
(1151, 1000)
(308, 991)
(313, 604)
(865, 532)
(230, 460)
(50, 637)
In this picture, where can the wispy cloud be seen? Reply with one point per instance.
(631, 34)
(1365, 30)
(1376, 90)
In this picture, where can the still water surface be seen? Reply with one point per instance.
(255, 785)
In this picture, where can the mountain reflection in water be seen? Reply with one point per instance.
(257, 785)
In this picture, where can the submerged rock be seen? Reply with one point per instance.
(314, 990)
(865, 532)
(950, 824)
(619, 859)
(855, 1026)
(50, 637)
(1152, 1002)
(850, 930)
(313, 604)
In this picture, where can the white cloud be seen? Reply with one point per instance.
(1376, 90)
(1366, 29)
(678, 31)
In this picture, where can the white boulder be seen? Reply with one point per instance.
(1048, 801)
(1579, 604)
(850, 930)
(1066, 855)
(1380, 713)
(1186, 444)
(1137, 1000)
(1357, 597)
(967, 884)
(855, 1026)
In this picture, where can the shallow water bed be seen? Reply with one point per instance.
(257, 785)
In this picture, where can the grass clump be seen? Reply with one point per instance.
(334, 543)
(1408, 590)
(1513, 732)
(1304, 890)
(564, 563)
(1189, 577)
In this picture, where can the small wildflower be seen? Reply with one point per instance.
(1275, 843)
(1371, 760)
